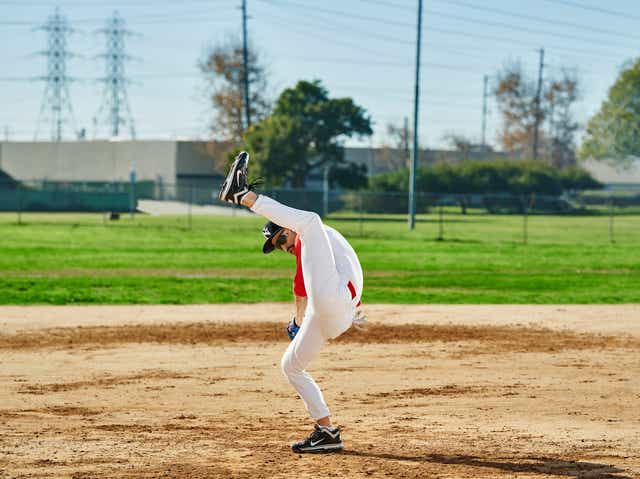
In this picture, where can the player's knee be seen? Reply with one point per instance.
(327, 303)
(325, 309)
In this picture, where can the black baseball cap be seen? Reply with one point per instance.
(269, 230)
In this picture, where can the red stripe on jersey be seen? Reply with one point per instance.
(298, 280)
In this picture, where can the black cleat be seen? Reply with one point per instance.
(322, 439)
(235, 186)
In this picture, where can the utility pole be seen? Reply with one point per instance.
(416, 103)
(485, 94)
(325, 191)
(6, 132)
(245, 61)
(405, 137)
(536, 132)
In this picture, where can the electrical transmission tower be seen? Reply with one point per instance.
(114, 109)
(56, 98)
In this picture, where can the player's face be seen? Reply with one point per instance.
(285, 240)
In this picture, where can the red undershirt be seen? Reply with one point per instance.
(298, 280)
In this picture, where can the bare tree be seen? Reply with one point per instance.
(560, 96)
(395, 155)
(223, 68)
(460, 143)
(515, 95)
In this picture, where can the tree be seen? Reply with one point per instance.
(613, 133)
(560, 96)
(395, 154)
(460, 143)
(401, 136)
(223, 68)
(516, 97)
(304, 133)
(352, 176)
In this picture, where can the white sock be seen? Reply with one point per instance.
(329, 428)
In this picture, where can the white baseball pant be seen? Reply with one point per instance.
(330, 308)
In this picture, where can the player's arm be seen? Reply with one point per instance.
(300, 297)
(301, 306)
(293, 326)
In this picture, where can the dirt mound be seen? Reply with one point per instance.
(412, 393)
(130, 393)
(485, 339)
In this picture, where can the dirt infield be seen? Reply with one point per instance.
(427, 391)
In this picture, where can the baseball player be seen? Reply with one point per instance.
(327, 291)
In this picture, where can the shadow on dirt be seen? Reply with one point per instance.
(538, 465)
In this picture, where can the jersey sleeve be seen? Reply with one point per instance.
(298, 280)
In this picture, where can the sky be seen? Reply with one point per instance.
(364, 49)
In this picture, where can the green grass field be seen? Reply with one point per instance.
(77, 258)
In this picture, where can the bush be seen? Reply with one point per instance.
(392, 181)
(488, 177)
(577, 179)
(376, 202)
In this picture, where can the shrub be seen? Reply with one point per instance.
(488, 177)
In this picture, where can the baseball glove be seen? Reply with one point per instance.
(292, 329)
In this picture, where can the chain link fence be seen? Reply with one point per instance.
(447, 216)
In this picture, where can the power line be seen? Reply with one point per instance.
(436, 47)
(390, 4)
(508, 41)
(433, 65)
(378, 90)
(559, 2)
(428, 102)
(439, 93)
(343, 28)
(537, 19)
(457, 33)
(336, 12)
(383, 64)
(440, 14)
(101, 4)
(373, 52)
(345, 61)
(183, 17)
(338, 27)
(592, 8)
(521, 28)
(167, 20)
(183, 21)
(305, 33)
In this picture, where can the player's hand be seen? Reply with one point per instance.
(292, 329)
